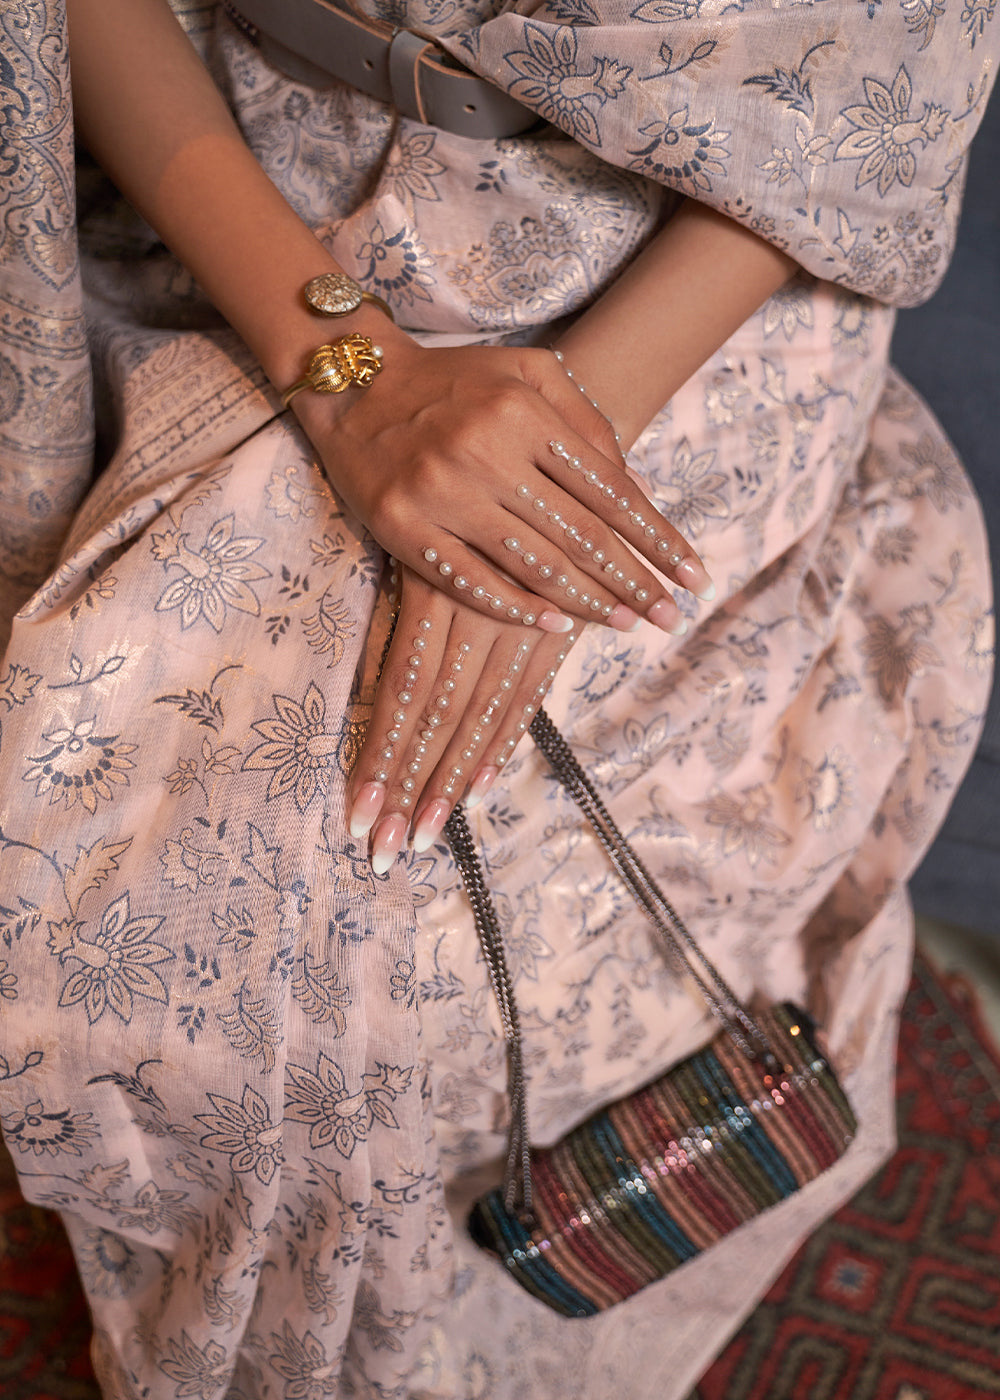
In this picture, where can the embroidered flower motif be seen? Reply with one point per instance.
(108, 1263)
(826, 788)
(726, 400)
(540, 285)
(894, 545)
(781, 167)
(154, 1210)
(319, 154)
(976, 16)
(184, 776)
(853, 325)
(403, 982)
(304, 1366)
(201, 1374)
(294, 498)
(895, 654)
(36, 1131)
(410, 169)
(296, 106)
(187, 866)
(298, 748)
(744, 820)
(236, 927)
(922, 17)
(103, 591)
(687, 154)
(398, 265)
(555, 84)
(213, 577)
(693, 492)
(787, 309)
(934, 473)
(336, 1117)
(18, 685)
(885, 133)
(117, 963)
(382, 1329)
(244, 1132)
(8, 982)
(80, 766)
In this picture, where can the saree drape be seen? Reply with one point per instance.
(261, 1083)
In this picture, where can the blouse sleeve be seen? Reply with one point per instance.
(838, 129)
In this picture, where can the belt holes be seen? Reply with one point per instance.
(469, 107)
(368, 64)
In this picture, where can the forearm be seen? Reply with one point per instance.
(150, 114)
(683, 297)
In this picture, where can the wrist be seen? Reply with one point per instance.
(291, 339)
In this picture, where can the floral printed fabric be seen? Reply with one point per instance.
(262, 1084)
(838, 135)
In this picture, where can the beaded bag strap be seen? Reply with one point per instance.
(676, 943)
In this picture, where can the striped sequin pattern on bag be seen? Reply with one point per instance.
(655, 1178)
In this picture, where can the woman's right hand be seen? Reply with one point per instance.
(457, 691)
(487, 472)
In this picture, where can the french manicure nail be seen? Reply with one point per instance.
(696, 579)
(367, 806)
(550, 621)
(663, 614)
(429, 825)
(623, 619)
(387, 841)
(480, 786)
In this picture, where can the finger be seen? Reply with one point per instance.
(606, 475)
(402, 695)
(583, 566)
(578, 569)
(450, 565)
(431, 684)
(509, 692)
(620, 502)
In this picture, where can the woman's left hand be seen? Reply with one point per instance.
(457, 692)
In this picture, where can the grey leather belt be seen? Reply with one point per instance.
(314, 41)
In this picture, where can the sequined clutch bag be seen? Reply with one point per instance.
(661, 1175)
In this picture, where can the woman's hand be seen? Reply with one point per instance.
(488, 473)
(457, 691)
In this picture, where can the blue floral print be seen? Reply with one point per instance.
(261, 1082)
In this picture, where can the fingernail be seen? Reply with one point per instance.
(430, 824)
(387, 842)
(699, 582)
(623, 619)
(550, 621)
(480, 786)
(367, 806)
(664, 614)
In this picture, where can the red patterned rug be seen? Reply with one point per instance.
(896, 1298)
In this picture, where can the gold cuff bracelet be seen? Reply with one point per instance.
(352, 359)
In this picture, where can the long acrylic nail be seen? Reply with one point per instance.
(387, 842)
(666, 615)
(695, 578)
(623, 619)
(480, 786)
(430, 824)
(550, 621)
(367, 806)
